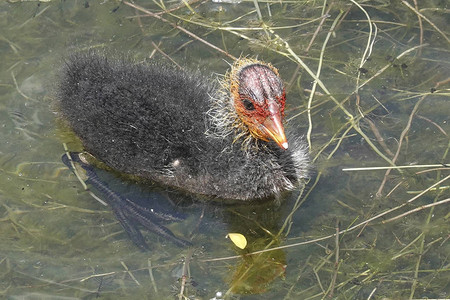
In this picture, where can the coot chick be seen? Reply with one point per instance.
(220, 138)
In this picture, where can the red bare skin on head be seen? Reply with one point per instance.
(259, 99)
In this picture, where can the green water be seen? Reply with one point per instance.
(57, 242)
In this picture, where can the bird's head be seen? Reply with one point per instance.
(259, 97)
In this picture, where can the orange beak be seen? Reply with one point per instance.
(273, 127)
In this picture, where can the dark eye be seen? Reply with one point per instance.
(248, 104)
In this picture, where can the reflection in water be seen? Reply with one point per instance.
(253, 272)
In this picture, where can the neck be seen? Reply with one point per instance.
(223, 119)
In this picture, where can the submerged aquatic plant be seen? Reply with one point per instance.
(368, 84)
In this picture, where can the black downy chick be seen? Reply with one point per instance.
(223, 139)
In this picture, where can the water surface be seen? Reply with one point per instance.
(382, 100)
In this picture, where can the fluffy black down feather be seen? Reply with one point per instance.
(151, 120)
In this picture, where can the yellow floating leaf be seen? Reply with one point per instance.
(238, 239)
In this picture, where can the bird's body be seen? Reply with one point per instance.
(178, 128)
